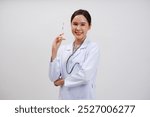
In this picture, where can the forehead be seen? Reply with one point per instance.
(79, 18)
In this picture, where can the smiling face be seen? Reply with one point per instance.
(80, 27)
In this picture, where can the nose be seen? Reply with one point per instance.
(78, 27)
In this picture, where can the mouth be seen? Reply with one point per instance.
(78, 33)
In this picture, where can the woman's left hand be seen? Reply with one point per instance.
(59, 82)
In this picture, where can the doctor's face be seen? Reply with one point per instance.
(80, 27)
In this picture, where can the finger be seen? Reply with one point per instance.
(55, 83)
(61, 34)
(61, 38)
(58, 39)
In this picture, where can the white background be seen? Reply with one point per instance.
(120, 27)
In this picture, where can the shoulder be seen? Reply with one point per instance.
(93, 45)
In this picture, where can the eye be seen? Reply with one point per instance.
(83, 24)
(75, 23)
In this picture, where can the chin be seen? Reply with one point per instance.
(79, 37)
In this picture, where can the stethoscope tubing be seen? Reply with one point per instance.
(69, 72)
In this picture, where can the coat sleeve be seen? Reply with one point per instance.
(55, 67)
(87, 71)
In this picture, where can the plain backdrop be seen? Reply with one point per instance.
(120, 27)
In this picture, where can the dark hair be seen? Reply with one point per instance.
(85, 13)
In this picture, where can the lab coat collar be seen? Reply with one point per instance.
(84, 45)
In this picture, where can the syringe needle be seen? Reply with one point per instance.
(62, 29)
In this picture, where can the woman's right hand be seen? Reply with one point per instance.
(56, 44)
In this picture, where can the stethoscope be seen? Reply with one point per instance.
(74, 51)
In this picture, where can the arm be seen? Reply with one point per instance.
(54, 69)
(54, 65)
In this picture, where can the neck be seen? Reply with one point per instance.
(78, 42)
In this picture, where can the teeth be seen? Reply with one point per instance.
(78, 33)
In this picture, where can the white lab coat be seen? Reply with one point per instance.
(80, 84)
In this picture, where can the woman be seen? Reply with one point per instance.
(73, 67)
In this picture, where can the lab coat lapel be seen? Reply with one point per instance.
(69, 49)
(75, 54)
(83, 46)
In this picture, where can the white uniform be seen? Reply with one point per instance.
(80, 84)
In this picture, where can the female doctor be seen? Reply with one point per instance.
(73, 67)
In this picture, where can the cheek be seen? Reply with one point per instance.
(86, 29)
(72, 28)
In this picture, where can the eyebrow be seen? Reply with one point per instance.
(78, 22)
